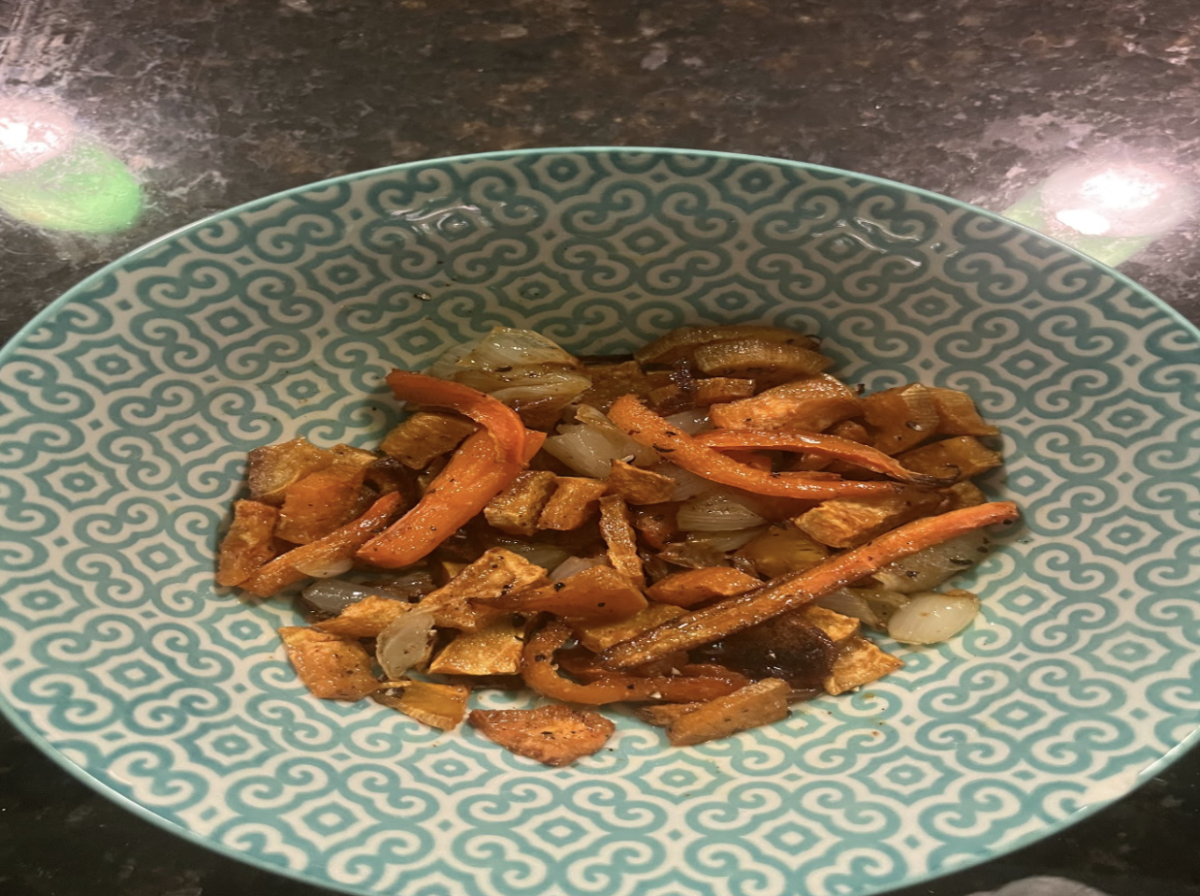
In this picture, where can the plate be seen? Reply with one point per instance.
(126, 409)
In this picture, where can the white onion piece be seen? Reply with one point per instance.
(929, 617)
(535, 386)
(691, 422)
(406, 642)
(929, 568)
(642, 455)
(716, 511)
(334, 595)
(883, 602)
(726, 541)
(326, 568)
(591, 451)
(508, 347)
(573, 565)
(848, 603)
(445, 367)
(547, 556)
(687, 483)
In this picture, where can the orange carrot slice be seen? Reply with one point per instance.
(648, 428)
(794, 590)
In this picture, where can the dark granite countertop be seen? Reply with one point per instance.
(214, 102)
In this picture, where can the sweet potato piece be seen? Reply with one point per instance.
(682, 342)
(618, 534)
(958, 458)
(761, 703)
(553, 735)
(493, 650)
(859, 662)
(639, 486)
(964, 494)
(518, 508)
(657, 523)
(573, 503)
(782, 549)
(331, 666)
(901, 417)
(318, 503)
(496, 573)
(365, 618)
(249, 543)
(597, 636)
(957, 415)
(437, 705)
(425, 435)
(696, 586)
(270, 469)
(598, 593)
(812, 404)
(849, 522)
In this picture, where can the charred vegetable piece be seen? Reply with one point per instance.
(331, 666)
(249, 544)
(788, 646)
(761, 703)
(553, 735)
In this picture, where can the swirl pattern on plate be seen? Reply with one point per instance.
(126, 410)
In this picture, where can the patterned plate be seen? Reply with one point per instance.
(126, 409)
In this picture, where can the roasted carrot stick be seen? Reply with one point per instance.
(339, 544)
(819, 444)
(539, 672)
(478, 471)
(797, 589)
(646, 427)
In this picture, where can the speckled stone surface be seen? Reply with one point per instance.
(215, 102)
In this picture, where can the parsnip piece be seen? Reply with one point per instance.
(425, 435)
(612, 380)
(248, 545)
(961, 457)
(598, 636)
(702, 392)
(553, 735)
(331, 666)
(320, 502)
(497, 572)
(598, 593)
(494, 650)
(573, 503)
(365, 618)
(902, 417)
(964, 494)
(957, 415)
(619, 536)
(639, 486)
(518, 508)
(770, 362)
(761, 703)
(271, 469)
(859, 662)
(849, 522)
(437, 705)
(683, 342)
(835, 626)
(663, 714)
